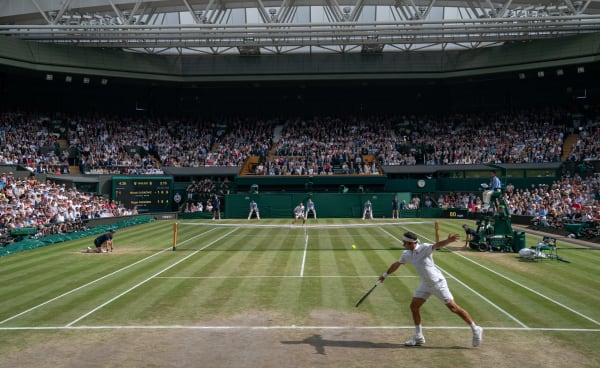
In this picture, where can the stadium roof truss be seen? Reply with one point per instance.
(252, 27)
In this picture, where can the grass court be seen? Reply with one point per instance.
(238, 293)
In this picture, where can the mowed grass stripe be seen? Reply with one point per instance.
(15, 266)
(339, 293)
(501, 286)
(499, 291)
(44, 284)
(243, 255)
(156, 302)
(124, 296)
(559, 281)
(81, 301)
(194, 238)
(205, 261)
(333, 262)
(251, 295)
(221, 296)
(269, 258)
(84, 269)
(499, 308)
(285, 262)
(156, 235)
(87, 299)
(311, 299)
(371, 257)
(47, 279)
(47, 300)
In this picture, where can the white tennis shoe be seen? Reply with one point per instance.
(415, 340)
(477, 336)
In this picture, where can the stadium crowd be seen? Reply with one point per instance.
(144, 145)
(296, 146)
(48, 208)
(571, 199)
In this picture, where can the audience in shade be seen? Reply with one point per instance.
(297, 146)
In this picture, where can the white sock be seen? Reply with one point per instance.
(418, 330)
(473, 326)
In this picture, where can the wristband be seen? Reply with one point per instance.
(385, 274)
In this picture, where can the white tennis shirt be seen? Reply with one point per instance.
(422, 260)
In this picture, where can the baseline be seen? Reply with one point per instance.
(285, 327)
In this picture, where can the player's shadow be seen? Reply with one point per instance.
(319, 344)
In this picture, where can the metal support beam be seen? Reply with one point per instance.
(43, 13)
(480, 23)
(61, 11)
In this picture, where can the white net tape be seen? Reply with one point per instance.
(304, 226)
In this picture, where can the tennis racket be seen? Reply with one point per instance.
(362, 299)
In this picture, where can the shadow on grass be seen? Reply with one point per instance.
(320, 344)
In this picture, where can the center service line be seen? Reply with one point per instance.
(305, 251)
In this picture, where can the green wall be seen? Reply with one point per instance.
(281, 205)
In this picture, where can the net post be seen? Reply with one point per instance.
(437, 231)
(175, 226)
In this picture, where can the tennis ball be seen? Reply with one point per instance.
(353, 246)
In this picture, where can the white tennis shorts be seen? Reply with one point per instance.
(439, 289)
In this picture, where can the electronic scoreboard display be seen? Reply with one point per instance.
(149, 194)
(457, 213)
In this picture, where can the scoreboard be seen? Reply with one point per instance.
(456, 213)
(148, 193)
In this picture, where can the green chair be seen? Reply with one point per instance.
(547, 248)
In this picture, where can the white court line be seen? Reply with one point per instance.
(81, 287)
(312, 226)
(473, 291)
(288, 327)
(305, 252)
(531, 290)
(146, 280)
(527, 288)
(88, 284)
(279, 277)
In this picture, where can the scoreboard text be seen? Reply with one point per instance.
(149, 194)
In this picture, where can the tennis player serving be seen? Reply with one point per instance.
(420, 255)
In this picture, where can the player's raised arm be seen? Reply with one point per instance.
(442, 243)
